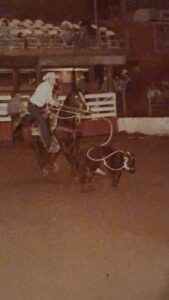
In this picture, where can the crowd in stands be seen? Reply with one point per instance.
(82, 34)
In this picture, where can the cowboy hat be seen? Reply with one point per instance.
(49, 75)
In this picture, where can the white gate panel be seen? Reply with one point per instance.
(101, 105)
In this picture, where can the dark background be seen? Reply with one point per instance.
(73, 10)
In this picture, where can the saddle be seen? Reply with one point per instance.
(54, 146)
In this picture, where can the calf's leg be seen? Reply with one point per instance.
(115, 176)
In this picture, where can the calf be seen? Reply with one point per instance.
(104, 160)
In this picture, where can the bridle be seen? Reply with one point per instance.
(74, 113)
(71, 109)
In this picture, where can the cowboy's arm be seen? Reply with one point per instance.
(54, 103)
(56, 93)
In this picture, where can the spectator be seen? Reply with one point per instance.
(88, 37)
(153, 96)
(165, 91)
(15, 106)
(154, 93)
(104, 85)
(16, 109)
(124, 90)
(118, 88)
(67, 34)
(5, 32)
(134, 92)
(4, 28)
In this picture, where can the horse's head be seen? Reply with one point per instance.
(77, 101)
(129, 162)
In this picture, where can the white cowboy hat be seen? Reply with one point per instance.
(39, 22)
(27, 22)
(16, 21)
(110, 33)
(48, 26)
(49, 75)
(66, 25)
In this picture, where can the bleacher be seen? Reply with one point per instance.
(36, 35)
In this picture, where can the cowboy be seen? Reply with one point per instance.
(43, 96)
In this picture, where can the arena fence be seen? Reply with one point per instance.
(101, 105)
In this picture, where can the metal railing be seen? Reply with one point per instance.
(41, 42)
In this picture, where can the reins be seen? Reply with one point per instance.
(66, 112)
(73, 109)
(67, 129)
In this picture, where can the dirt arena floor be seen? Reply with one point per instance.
(108, 244)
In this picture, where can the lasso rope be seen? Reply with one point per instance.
(76, 114)
(106, 157)
(111, 132)
(73, 109)
(103, 144)
(110, 154)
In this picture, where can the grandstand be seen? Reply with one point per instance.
(30, 47)
(17, 34)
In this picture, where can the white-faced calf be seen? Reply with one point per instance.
(104, 160)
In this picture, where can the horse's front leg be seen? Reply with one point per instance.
(54, 162)
(42, 156)
(70, 150)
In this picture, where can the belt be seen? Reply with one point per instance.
(39, 107)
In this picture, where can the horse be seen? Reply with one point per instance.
(106, 161)
(65, 132)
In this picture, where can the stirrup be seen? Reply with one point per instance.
(54, 146)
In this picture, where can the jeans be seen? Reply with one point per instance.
(37, 115)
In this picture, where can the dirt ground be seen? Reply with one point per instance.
(107, 244)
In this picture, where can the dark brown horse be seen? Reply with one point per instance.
(65, 130)
(64, 124)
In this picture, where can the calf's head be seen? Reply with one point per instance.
(129, 162)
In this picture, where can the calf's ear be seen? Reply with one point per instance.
(128, 153)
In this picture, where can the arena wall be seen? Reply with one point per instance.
(150, 126)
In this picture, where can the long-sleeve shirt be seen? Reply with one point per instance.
(43, 95)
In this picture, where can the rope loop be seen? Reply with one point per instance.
(103, 159)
